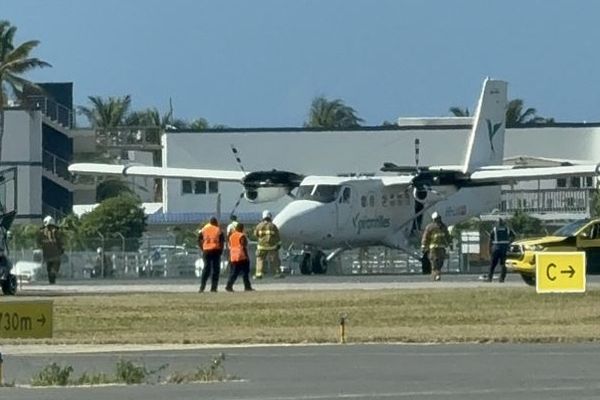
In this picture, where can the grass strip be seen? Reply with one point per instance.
(496, 314)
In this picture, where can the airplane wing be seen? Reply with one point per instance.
(489, 176)
(156, 172)
(401, 180)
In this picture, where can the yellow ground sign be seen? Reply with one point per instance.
(560, 272)
(25, 319)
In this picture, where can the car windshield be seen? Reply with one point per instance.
(320, 193)
(572, 228)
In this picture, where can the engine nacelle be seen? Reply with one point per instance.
(427, 195)
(264, 194)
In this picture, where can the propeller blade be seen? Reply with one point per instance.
(237, 203)
(237, 158)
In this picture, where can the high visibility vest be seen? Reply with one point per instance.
(500, 235)
(236, 249)
(211, 237)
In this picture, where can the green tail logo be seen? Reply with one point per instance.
(492, 130)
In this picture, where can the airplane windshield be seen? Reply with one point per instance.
(571, 229)
(320, 193)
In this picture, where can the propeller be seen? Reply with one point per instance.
(237, 203)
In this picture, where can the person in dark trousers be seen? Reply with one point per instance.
(500, 238)
(210, 241)
(238, 258)
(50, 240)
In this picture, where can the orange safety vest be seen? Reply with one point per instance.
(211, 237)
(236, 249)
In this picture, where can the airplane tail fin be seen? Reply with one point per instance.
(486, 141)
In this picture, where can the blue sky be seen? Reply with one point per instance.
(260, 63)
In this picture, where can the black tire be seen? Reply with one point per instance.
(9, 285)
(528, 279)
(305, 264)
(319, 263)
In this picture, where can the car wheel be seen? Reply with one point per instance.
(9, 285)
(528, 279)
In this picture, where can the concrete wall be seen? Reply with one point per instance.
(22, 147)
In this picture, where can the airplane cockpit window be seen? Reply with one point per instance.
(320, 193)
(346, 195)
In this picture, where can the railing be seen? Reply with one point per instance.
(53, 212)
(55, 111)
(129, 136)
(559, 200)
(57, 165)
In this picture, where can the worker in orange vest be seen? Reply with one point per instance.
(238, 258)
(210, 241)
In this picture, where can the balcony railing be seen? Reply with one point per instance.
(55, 111)
(57, 165)
(559, 200)
(129, 137)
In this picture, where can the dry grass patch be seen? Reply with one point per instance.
(439, 315)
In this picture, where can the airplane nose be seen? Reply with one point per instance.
(302, 219)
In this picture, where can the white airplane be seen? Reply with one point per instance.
(337, 213)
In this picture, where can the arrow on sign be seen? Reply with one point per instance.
(570, 271)
(42, 320)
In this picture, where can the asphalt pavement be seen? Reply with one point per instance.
(370, 371)
(290, 282)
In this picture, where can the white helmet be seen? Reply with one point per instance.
(435, 215)
(49, 221)
(266, 214)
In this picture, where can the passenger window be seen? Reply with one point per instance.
(392, 200)
(372, 200)
(400, 202)
(363, 201)
(384, 200)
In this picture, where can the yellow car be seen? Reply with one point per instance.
(582, 235)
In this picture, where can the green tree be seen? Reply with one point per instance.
(516, 115)
(460, 112)
(14, 62)
(117, 215)
(331, 114)
(106, 112)
(112, 188)
(525, 225)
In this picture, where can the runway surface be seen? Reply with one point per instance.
(294, 282)
(377, 371)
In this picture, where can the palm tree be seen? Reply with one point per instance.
(515, 116)
(331, 114)
(14, 61)
(106, 113)
(460, 112)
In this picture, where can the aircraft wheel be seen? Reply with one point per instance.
(528, 279)
(9, 285)
(305, 264)
(319, 263)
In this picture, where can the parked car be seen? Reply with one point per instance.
(582, 235)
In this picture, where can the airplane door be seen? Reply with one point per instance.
(589, 241)
(344, 208)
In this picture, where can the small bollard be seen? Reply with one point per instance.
(343, 318)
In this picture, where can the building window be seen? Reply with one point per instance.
(186, 187)
(213, 187)
(561, 182)
(589, 181)
(575, 181)
(200, 187)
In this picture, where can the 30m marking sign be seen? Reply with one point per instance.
(26, 319)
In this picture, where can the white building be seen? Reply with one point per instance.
(363, 151)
